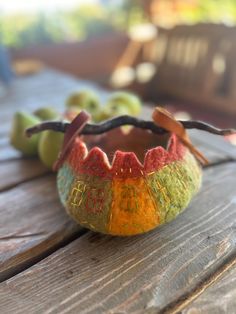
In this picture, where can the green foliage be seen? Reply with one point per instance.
(19, 30)
(216, 11)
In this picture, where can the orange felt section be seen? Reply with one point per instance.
(133, 209)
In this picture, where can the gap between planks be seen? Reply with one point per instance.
(23, 240)
(36, 259)
(186, 299)
(15, 185)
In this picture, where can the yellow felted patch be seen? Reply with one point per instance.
(133, 210)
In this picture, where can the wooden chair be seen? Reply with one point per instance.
(195, 64)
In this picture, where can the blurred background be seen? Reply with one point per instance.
(180, 53)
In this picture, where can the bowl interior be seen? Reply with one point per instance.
(127, 140)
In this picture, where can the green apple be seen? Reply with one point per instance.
(113, 110)
(71, 113)
(18, 139)
(50, 144)
(46, 113)
(129, 100)
(85, 100)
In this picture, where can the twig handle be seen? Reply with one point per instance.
(125, 120)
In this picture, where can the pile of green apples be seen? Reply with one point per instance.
(47, 144)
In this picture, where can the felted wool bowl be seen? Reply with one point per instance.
(127, 183)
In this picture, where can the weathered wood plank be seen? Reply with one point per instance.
(15, 169)
(219, 298)
(214, 147)
(47, 87)
(32, 224)
(7, 152)
(14, 172)
(141, 274)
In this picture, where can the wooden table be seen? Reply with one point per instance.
(48, 264)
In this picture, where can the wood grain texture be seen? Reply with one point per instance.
(32, 223)
(214, 147)
(46, 88)
(14, 172)
(219, 298)
(141, 274)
